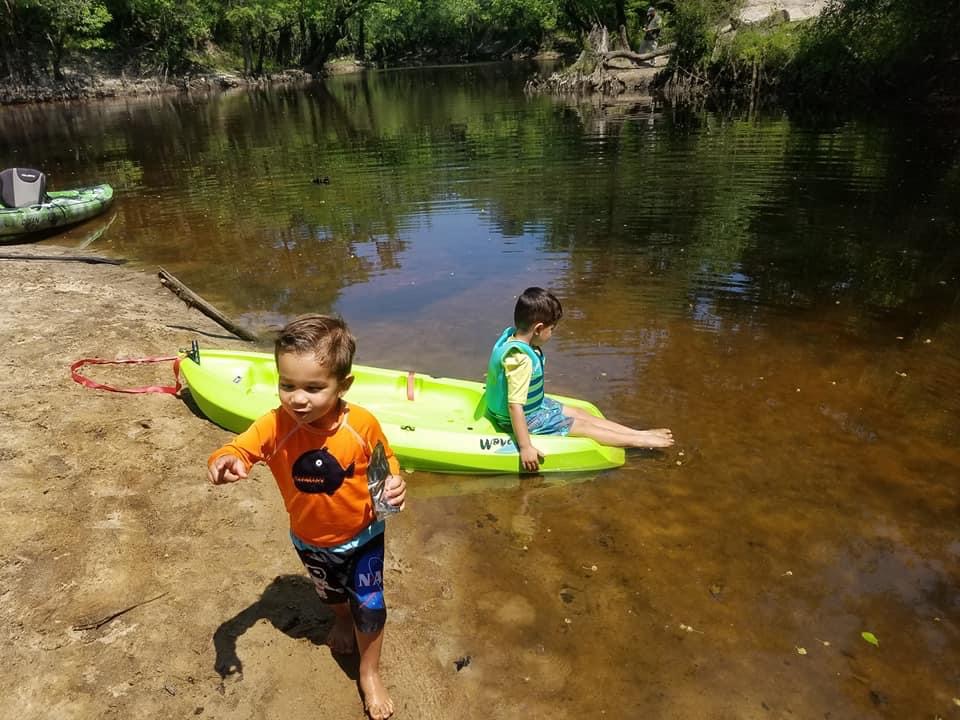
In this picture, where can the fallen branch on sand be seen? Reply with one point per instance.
(67, 258)
(113, 616)
(195, 301)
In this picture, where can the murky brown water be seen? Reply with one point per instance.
(784, 297)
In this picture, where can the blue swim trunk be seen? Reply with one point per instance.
(548, 419)
(355, 576)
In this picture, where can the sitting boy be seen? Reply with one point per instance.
(515, 388)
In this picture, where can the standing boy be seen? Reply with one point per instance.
(318, 447)
(515, 387)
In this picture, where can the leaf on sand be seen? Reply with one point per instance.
(870, 638)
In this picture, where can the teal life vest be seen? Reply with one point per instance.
(496, 391)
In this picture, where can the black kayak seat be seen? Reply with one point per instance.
(22, 187)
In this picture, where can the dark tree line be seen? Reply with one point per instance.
(171, 36)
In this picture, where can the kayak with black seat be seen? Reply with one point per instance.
(27, 207)
(435, 424)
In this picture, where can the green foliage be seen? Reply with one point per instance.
(165, 33)
(856, 50)
(76, 23)
(760, 55)
(863, 49)
(35, 34)
(774, 49)
(257, 25)
(172, 35)
(694, 34)
(694, 29)
(458, 28)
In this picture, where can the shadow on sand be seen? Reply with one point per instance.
(292, 606)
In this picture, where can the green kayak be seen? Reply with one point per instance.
(64, 207)
(435, 424)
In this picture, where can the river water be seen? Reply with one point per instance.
(783, 295)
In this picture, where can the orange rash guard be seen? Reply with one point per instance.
(319, 519)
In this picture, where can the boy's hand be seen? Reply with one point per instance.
(395, 490)
(226, 469)
(530, 458)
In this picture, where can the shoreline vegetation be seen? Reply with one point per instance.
(852, 54)
(866, 53)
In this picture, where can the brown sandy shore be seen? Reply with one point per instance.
(104, 505)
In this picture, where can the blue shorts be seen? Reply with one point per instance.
(548, 419)
(355, 576)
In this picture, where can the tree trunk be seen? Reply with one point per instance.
(621, 10)
(56, 55)
(262, 50)
(246, 45)
(8, 37)
(303, 37)
(322, 46)
(284, 44)
(362, 40)
(592, 54)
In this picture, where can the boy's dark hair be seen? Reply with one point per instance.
(536, 305)
(328, 338)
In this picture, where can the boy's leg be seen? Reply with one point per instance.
(614, 434)
(327, 570)
(340, 638)
(358, 577)
(375, 696)
(369, 613)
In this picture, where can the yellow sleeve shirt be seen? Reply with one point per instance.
(519, 369)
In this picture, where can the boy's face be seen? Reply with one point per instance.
(308, 389)
(541, 334)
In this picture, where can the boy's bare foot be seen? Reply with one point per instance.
(656, 438)
(378, 704)
(340, 638)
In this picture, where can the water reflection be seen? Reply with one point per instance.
(722, 214)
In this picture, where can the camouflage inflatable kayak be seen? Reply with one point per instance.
(63, 207)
